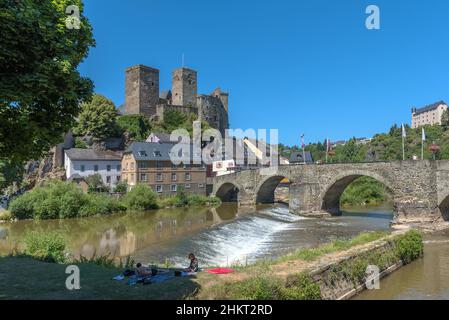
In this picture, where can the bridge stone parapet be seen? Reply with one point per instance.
(419, 189)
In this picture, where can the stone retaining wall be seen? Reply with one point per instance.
(334, 286)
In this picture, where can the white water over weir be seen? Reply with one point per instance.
(239, 241)
(265, 234)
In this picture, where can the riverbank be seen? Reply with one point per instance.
(61, 200)
(289, 277)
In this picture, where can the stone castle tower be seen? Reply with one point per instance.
(143, 96)
(142, 90)
(184, 87)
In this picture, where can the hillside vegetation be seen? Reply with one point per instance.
(383, 146)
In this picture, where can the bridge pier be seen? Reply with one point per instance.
(414, 210)
(304, 199)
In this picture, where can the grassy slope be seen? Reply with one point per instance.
(25, 278)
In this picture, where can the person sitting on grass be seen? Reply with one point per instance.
(193, 267)
(142, 271)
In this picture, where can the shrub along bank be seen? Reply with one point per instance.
(61, 200)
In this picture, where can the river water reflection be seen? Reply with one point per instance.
(219, 236)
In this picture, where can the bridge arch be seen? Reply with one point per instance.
(228, 192)
(265, 192)
(334, 190)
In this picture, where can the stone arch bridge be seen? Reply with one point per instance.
(419, 189)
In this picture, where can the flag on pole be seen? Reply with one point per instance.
(303, 145)
(404, 133)
(423, 135)
(328, 146)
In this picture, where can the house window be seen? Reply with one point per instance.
(173, 177)
(143, 165)
(188, 177)
(142, 153)
(159, 177)
(118, 178)
(108, 179)
(159, 188)
(174, 166)
(174, 187)
(157, 153)
(83, 168)
(200, 185)
(187, 186)
(108, 167)
(159, 164)
(132, 165)
(143, 177)
(119, 167)
(96, 167)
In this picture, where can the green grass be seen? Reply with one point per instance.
(26, 278)
(312, 254)
(266, 286)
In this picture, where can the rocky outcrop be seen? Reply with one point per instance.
(39, 171)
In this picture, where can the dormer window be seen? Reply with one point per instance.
(157, 154)
(142, 153)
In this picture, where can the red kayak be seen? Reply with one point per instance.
(220, 271)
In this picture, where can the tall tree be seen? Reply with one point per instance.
(98, 118)
(40, 87)
(136, 125)
(10, 172)
(445, 118)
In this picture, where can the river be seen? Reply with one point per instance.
(222, 236)
(424, 279)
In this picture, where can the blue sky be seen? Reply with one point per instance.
(298, 66)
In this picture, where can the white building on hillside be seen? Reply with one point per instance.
(429, 115)
(87, 162)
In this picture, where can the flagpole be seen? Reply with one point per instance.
(404, 134)
(403, 149)
(422, 150)
(423, 138)
(304, 154)
(303, 145)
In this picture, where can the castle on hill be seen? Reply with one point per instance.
(143, 96)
